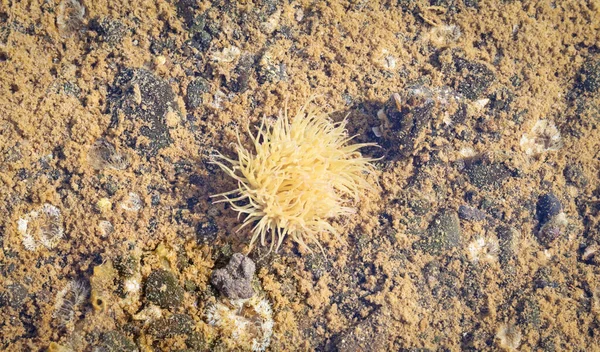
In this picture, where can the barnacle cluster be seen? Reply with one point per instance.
(41, 227)
(298, 175)
(247, 322)
(543, 137)
(483, 249)
(68, 301)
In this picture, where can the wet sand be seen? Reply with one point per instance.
(483, 233)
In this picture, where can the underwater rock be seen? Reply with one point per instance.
(471, 214)
(548, 206)
(235, 280)
(114, 341)
(13, 295)
(551, 219)
(176, 324)
(477, 80)
(486, 175)
(195, 89)
(109, 30)
(163, 289)
(589, 76)
(443, 233)
(139, 102)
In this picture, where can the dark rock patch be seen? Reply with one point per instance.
(443, 233)
(589, 76)
(163, 289)
(176, 324)
(486, 175)
(476, 78)
(195, 90)
(139, 102)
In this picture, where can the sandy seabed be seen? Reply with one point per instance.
(483, 232)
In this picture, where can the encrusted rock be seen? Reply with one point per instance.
(113, 341)
(176, 324)
(109, 30)
(163, 289)
(195, 89)
(443, 233)
(477, 79)
(140, 102)
(589, 76)
(235, 280)
(485, 175)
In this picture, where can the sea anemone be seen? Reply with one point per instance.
(299, 175)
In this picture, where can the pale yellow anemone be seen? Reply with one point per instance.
(296, 177)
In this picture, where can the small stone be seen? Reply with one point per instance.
(206, 231)
(14, 295)
(477, 79)
(468, 213)
(486, 175)
(552, 229)
(109, 30)
(176, 324)
(589, 76)
(163, 289)
(548, 206)
(575, 174)
(139, 96)
(114, 341)
(443, 233)
(235, 280)
(195, 90)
